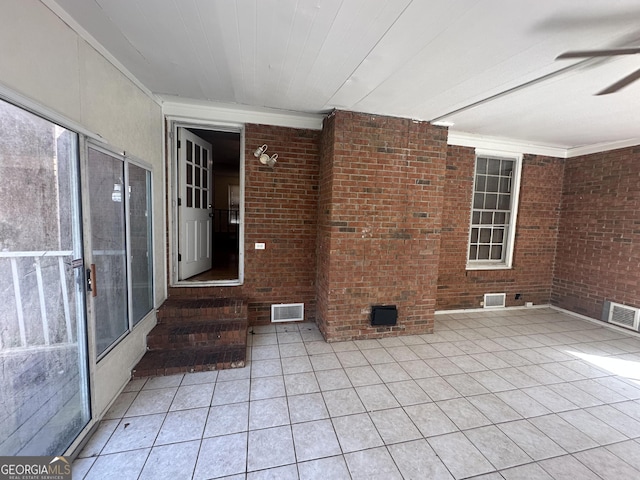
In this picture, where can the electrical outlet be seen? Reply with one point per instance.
(260, 246)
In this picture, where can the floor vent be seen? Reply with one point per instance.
(623, 316)
(494, 300)
(287, 312)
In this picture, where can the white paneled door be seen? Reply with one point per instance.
(194, 205)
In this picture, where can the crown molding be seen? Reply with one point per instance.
(190, 109)
(601, 147)
(497, 144)
(506, 145)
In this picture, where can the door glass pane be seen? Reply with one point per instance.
(43, 362)
(189, 174)
(141, 246)
(107, 200)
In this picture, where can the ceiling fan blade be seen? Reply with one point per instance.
(621, 83)
(598, 53)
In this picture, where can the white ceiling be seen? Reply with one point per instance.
(420, 59)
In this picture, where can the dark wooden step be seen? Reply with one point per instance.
(190, 359)
(177, 335)
(195, 335)
(201, 310)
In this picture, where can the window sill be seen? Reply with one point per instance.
(489, 266)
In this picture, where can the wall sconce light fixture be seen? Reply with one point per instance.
(260, 150)
(263, 157)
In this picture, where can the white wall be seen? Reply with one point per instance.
(45, 60)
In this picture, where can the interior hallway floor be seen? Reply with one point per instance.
(505, 394)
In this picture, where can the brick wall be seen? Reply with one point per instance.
(536, 235)
(375, 210)
(380, 209)
(280, 211)
(599, 243)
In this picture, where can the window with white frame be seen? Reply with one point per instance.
(121, 243)
(493, 211)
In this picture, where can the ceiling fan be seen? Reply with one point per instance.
(623, 82)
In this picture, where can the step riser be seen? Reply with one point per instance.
(202, 311)
(159, 372)
(172, 342)
(170, 364)
(201, 315)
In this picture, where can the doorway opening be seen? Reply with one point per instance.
(209, 206)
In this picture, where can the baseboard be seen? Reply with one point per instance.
(480, 310)
(595, 321)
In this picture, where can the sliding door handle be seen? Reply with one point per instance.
(91, 280)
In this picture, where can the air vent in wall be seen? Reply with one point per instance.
(287, 312)
(494, 300)
(623, 316)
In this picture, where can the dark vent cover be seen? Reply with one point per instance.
(384, 315)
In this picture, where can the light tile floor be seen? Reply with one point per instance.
(512, 394)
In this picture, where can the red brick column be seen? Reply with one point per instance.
(379, 221)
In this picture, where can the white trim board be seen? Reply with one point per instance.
(490, 310)
(11, 96)
(600, 323)
(552, 307)
(506, 145)
(211, 112)
(601, 147)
